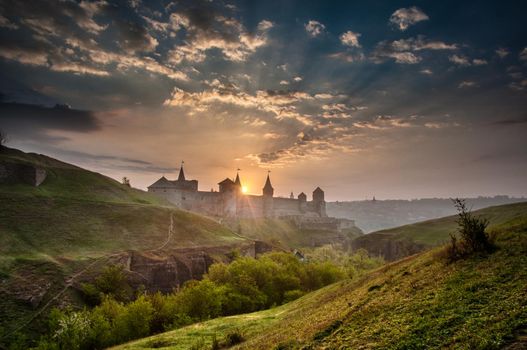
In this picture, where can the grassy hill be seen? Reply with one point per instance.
(418, 302)
(69, 181)
(51, 232)
(405, 240)
(77, 213)
(437, 231)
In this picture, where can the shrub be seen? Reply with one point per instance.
(472, 235)
(111, 282)
(291, 295)
(233, 338)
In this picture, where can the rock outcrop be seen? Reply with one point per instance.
(21, 173)
(165, 270)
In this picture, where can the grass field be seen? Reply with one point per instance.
(437, 231)
(418, 302)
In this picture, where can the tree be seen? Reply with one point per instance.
(126, 181)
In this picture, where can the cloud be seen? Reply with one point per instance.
(502, 52)
(347, 57)
(507, 122)
(382, 122)
(265, 25)
(279, 103)
(25, 51)
(460, 60)
(77, 68)
(350, 38)
(6, 23)
(523, 54)
(133, 37)
(297, 79)
(466, 84)
(518, 86)
(385, 50)
(421, 43)
(404, 50)
(479, 62)
(106, 161)
(314, 28)
(64, 40)
(284, 82)
(405, 17)
(206, 28)
(16, 117)
(426, 71)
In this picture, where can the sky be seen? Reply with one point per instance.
(392, 99)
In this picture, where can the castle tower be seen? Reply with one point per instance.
(238, 182)
(268, 191)
(228, 198)
(302, 202)
(181, 176)
(319, 203)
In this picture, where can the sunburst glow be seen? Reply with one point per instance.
(244, 189)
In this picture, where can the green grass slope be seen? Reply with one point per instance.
(437, 231)
(76, 213)
(69, 181)
(52, 232)
(418, 302)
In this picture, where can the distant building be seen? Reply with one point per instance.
(229, 201)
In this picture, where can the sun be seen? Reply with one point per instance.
(244, 189)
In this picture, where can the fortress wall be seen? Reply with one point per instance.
(208, 203)
(286, 207)
(250, 206)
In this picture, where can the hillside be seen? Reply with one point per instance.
(284, 233)
(58, 233)
(418, 302)
(406, 240)
(69, 181)
(376, 215)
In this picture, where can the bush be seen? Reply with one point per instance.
(245, 285)
(472, 235)
(112, 282)
(233, 338)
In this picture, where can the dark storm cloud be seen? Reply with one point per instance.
(508, 122)
(55, 18)
(134, 37)
(33, 118)
(115, 162)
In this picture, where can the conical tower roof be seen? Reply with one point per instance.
(237, 182)
(268, 185)
(268, 189)
(181, 176)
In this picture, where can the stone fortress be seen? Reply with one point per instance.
(230, 202)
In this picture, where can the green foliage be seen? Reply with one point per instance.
(416, 303)
(242, 286)
(233, 337)
(472, 235)
(111, 282)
